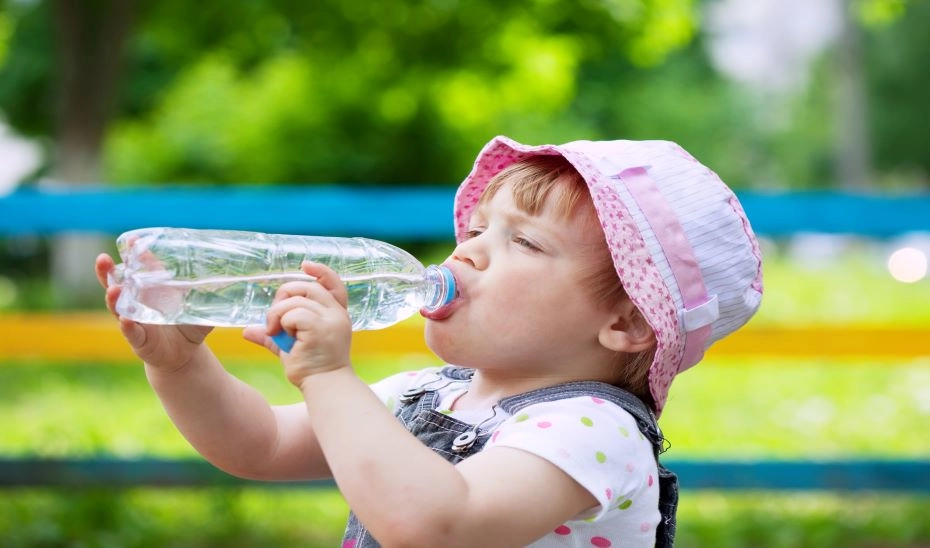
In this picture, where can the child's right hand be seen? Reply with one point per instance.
(164, 346)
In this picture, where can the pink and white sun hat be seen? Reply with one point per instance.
(680, 240)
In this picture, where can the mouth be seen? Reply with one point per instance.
(441, 313)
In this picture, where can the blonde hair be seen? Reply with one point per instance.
(541, 181)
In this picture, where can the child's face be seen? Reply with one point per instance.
(522, 305)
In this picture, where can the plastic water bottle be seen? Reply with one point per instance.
(229, 278)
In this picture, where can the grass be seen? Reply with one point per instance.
(852, 289)
(765, 408)
(721, 409)
(264, 518)
(172, 518)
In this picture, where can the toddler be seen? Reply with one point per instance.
(589, 274)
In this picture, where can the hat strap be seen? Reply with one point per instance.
(700, 310)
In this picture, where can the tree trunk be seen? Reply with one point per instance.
(853, 153)
(91, 40)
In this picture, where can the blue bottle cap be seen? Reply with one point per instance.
(284, 341)
(449, 279)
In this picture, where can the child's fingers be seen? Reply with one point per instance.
(328, 279)
(111, 296)
(133, 332)
(102, 267)
(150, 261)
(142, 256)
(256, 334)
(294, 296)
(300, 319)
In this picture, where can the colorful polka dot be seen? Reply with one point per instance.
(587, 421)
(597, 400)
(494, 435)
(644, 527)
(601, 457)
(562, 530)
(625, 504)
(544, 424)
(609, 493)
(521, 417)
(649, 481)
(349, 543)
(600, 542)
(624, 432)
(630, 467)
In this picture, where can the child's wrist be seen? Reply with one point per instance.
(324, 378)
(178, 367)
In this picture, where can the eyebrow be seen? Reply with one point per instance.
(550, 236)
(516, 215)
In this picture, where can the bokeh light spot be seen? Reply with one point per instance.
(908, 265)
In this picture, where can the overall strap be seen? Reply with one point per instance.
(457, 373)
(645, 418)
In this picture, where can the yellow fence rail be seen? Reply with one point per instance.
(95, 337)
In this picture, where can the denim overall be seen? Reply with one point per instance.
(455, 440)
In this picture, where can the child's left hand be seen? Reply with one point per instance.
(315, 314)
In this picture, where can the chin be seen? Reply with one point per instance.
(443, 343)
(436, 338)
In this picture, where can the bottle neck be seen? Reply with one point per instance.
(440, 287)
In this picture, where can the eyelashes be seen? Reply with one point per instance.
(523, 242)
(517, 239)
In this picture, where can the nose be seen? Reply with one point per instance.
(471, 252)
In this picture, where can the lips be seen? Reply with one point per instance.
(444, 312)
(440, 313)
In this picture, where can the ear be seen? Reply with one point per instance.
(626, 330)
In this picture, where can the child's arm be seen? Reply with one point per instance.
(407, 495)
(403, 492)
(233, 426)
(227, 421)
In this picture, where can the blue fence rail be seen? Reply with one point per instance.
(785, 475)
(424, 214)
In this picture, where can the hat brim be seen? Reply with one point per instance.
(636, 270)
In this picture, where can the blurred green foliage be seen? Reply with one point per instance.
(281, 91)
(262, 518)
(807, 409)
(853, 288)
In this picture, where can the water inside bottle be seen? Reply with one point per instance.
(375, 301)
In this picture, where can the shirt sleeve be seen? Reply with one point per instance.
(390, 388)
(597, 443)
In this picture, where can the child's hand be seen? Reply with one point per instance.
(166, 346)
(315, 314)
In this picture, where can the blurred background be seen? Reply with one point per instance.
(780, 97)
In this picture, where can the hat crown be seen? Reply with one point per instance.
(681, 243)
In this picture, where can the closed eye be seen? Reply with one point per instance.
(523, 242)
